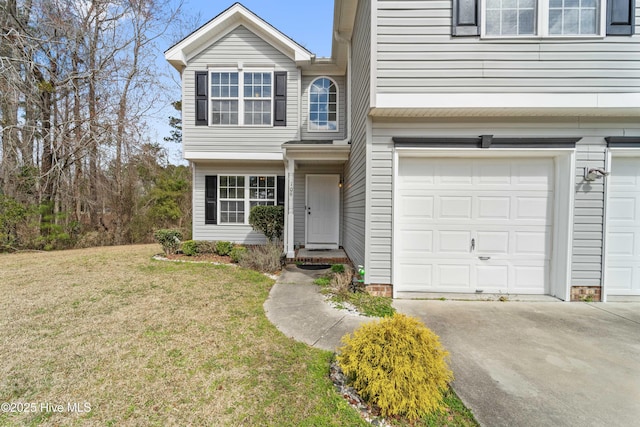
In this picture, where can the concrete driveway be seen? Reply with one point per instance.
(541, 363)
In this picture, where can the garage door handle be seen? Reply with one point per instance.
(484, 258)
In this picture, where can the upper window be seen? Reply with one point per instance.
(509, 18)
(231, 106)
(323, 105)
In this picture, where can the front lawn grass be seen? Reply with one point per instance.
(145, 342)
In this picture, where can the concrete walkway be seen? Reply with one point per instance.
(299, 311)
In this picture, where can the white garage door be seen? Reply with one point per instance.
(623, 221)
(467, 225)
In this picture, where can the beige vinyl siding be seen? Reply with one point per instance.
(416, 54)
(355, 170)
(233, 233)
(299, 197)
(342, 122)
(588, 208)
(239, 46)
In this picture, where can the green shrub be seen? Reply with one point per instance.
(337, 268)
(223, 248)
(265, 258)
(190, 248)
(398, 364)
(237, 253)
(169, 238)
(268, 220)
(206, 247)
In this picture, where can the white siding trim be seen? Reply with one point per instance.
(208, 155)
(508, 100)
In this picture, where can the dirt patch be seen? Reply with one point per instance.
(200, 258)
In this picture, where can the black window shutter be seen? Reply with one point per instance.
(466, 18)
(210, 199)
(280, 191)
(201, 99)
(280, 99)
(621, 17)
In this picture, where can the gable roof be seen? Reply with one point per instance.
(234, 16)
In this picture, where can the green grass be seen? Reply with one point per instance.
(153, 343)
(156, 343)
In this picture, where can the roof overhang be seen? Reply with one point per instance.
(324, 151)
(507, 105)
(179, 54)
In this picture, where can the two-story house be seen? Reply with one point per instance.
(447, 145)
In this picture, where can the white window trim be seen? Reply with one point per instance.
(247, 201)
(241, 99)
(309, 107)
(542, 27)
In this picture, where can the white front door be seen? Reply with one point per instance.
(322, 211)
(623, 227)
(468, 225)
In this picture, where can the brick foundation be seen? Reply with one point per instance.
(380, 290)
(585, 293)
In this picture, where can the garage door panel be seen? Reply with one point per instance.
(457, 172)
(493, 208)
(453, 242)
(621, 278)
(533, 242)
(417, 207)
(490, 277)
(415, 277)
(623, 224)
(534, 172)
(536, 208)
(622, 243)
(492, 242)
(417, 241)
(458, 207)
(527, 278)
(454, 276)
(493, 173)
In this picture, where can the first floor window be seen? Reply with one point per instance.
(232, 206)
(229, 198)
(262, 191)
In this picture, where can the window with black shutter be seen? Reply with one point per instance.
(280, 191)
(621, 17)
(202, 101)
(466, 18)
(542, 18)
(280, 99)
(211, 199)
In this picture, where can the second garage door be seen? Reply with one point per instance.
(476, 224)
(623, 220)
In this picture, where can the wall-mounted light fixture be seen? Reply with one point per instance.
(591, 174)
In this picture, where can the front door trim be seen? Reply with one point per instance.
(332, 237)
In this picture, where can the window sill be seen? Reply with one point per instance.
(540, 38)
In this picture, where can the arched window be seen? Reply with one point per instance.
(323, 105)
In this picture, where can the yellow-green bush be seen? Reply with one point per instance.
(397, 364)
